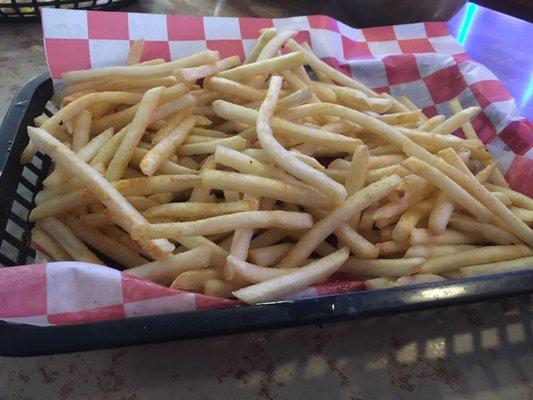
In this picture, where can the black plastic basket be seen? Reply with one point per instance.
(28, 10)
(18, 187)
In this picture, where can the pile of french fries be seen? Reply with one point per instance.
(256, 179)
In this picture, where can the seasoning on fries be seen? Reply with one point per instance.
(255, 180)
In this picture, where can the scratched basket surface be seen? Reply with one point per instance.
(422, 61)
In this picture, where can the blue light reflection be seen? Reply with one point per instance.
(470, 13)
(528, 93)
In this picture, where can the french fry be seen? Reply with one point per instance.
(410, 219)
(134, 54)
(267, 238)
(466, 258)
(265, 187)
(225, 223)
(218, 254)
(269, 255)
(440, 214)
(267, 66)
(431, 251)
(133, 135)
(285, 159)
(490, 232)
(266, 35)
(320, 137)
(166, 270)
(522, 213)
(318, 65)
(519, 264)
(382, 267)
(134, 71)
(279, 287)
(194, 280)
(62, 234)
(82, 127)
(232, 88)
(249, 165)
(391, 247)
(424, 236)
(450, 187)
(433, 122)
(59, 176)
(254, 273)
(456, 121)
(167, 167)
(235, 142)
(166, 147)
(338, 216)
(191, 210)
(517, 199)
(103, 243)
(124, 214)
(49, 245)
(515, 225)
(418, 279)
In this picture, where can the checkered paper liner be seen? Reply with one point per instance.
(422, 61)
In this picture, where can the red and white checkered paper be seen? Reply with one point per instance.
(422, 61)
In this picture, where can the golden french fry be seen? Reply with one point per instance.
(440, 214)
(265, 187)
(267, 66)
(410, 219)
(82, 127)
(218, 254)
(269, 255)
(519, 264)
(59, 176)
(194, 280)
(320, 137)
(225, 223)
(132, 71)
(466, 258)
(166, 147)
(235, 142)
(133, 135)
(49, 245)
(338, 216)
(433, 122)
(450, 187)
(515, 225)
(490, 232)
(62, 234)
(191, 210)
(266, 35)
(253, 273)
(518, 199)
(166, 270)
(456, 121)
(418, 279)
(103, 243)
(134, 54)
(424, 236)
(123, 212)
(279, 287)
(267, 238)
(431, 250)
(249, 165)
(285, 159)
